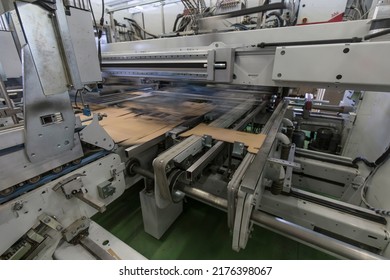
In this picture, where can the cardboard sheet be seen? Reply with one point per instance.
(128, 126)
(252, 141)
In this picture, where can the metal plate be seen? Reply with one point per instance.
(50, 121)
(96, 135)
(9, 58)
(41, 37)
(83, 40)
(356, 66)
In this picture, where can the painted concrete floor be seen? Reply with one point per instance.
(200, 232)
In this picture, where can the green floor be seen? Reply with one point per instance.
(199, 233)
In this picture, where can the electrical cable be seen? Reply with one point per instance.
(93, 14)
(365, 161)
(179, 16)
(240, 26)
(379, 163)
(100, 33)
(296, 13)
(358, 11)
(191, 13)
(367, 12)
(137, 26)
(192, 10)
(75, 99)
(362, 6)
(184, 22)
(332, 41)
(383, 157)
(279, 18)
(136, 30)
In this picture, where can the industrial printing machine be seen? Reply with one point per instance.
(313, 172)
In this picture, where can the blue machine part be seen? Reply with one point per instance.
(87, 111)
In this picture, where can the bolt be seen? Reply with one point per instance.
(18, 206)
(58, 227)
(47, 220)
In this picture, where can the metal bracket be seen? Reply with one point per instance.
(118, 170)
(73, 187)
(50, 222)
(70, 186)
(105, 189)
(357, 182)
(289, 170)
(34, 236)
(175, 132)
(220, 63)
(95, 134)
(274, 165)
(238, 149)
(207, 141)
(350, 121)
(79, 226)
(91, 201)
